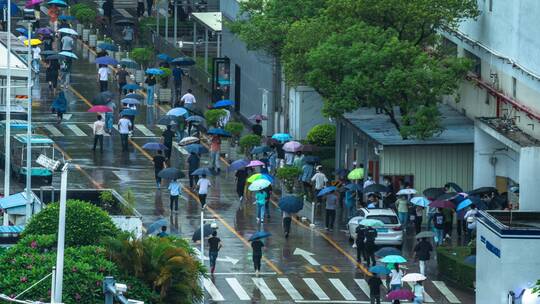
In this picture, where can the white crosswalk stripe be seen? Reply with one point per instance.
(212, 290)
(76, 130)
(427, 298)
(450, 296)
(144, 130)
(288, 286)
(363, 285)
(347, 295)
(238, 289)
(54, 131)
(317, 290)
(265, 290)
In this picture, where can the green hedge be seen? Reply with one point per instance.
(322, 135)
(451, 266)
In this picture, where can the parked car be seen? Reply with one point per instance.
(390, 234)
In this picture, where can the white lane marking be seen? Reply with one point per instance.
(336, 302)
(288, 286)
(427, 298)
(162, 128)
(267, 293)
(363, 286)
(238, 289)
(306, 255)
(347, 295)
(317, 290)
(91, 125)
(144, 130)
(212, 290)
(76, 130)
(54, 131)
(446, 292)
(245, 273)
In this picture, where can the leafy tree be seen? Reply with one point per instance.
(86, 224)
(213, 116)
(322, 135)
(235, 128)
(288, 174)
(143, 56)
(86, 16)
(247, 142)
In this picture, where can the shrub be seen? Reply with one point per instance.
(247, 142)
(86, 224)
(235, 128)
(143, 56)
(288, 174)
(86, 16)
(450, 263)
(84, 268)
(77, 7)
(213, 116)
(322, 135)
(106, 200)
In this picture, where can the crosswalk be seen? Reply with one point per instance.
(86, 129)
(307, 290)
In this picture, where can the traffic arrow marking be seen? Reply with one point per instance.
(306, 255)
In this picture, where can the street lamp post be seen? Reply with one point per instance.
(7, 152)
(29, 197)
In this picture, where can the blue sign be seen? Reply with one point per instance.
(490, 247)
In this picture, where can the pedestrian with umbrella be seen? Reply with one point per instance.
(370, 247)
(305, 178)
(163, 233)
(98, 129)
(65, 72)
(51, 74)
(422, 252)
(103, 77)
(128, 34)
(260, 201)
(438, 224)
(121, 78)
(402, 206)
(168, 136)
(331, 201)
(59, 106)
(214, 245)
(150, 86)
(395, 277)
(319, 181)
(174, 191)
(470, 218)
(177, 74)
(375, 284)
(159, 164)
(215, 148)
(189, 100)
(202, 186)
(194, 162)
(257, 246)
(241, 177)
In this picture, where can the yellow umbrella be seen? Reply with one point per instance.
(355, 174)
(254, 177)
(32, 42)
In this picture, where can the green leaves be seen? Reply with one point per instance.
(213, 116)
(322, 135)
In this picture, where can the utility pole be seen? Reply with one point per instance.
(29, 198)
(61, 236)
(7, 152)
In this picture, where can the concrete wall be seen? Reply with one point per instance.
(305, 106)
(529, 179)
(352, 145)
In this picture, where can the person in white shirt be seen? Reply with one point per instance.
(103, 77)
(320, 181)
(395, 277)
(99, 130)
(188, 99)
(418, 291)
(470, 219)
(202, 185)
(124, 127)
(36, 59)
(225, 119)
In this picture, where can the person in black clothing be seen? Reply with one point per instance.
(360, 243)
(287, 219)
(371, 235)
(268, 191)
(214, 246)
(241, 177)
(257, 246)
(193, 164)
(257, 129)
(168, 135)
(422, 252)
(51, 75)
(375, 289)
(107, 10)
(159, 164)
(149, 4)
(280, 153)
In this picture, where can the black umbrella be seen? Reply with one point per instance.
(446, 196)
(124, 22)
(170, 173)
(454, 186)
(197, 234)
(310, 159)
(375, 188)
(54, 57)
(433, 192)
(103, 98)
(483, 190)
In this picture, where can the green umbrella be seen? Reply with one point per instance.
(371, 223)
(394, 259)
(355, 174)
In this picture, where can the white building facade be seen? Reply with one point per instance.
(503, 96)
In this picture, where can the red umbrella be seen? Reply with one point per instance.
(442, 204)
(400, 294)
(100, 109)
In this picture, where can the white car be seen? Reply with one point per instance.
(390, 234)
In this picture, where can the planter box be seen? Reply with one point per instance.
(92, 40)
(85, 34)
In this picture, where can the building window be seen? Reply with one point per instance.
(514, 87)
(448, 47)
(491, 5)
(477, 63)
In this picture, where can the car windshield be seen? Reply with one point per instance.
(386, 219)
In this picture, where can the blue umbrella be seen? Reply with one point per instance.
(154, 146)
(196, 148)
(379, 269)
(238, 164)
(107, 60)
(202, 171)
(170, 173)
(130, 101)
(471, 260)
(177, 112)
(154, 71)
(22, 31)
(164, 57)
(326, 190)
(260, 149)
(223, 104)
(68, 54)
(353, 187)
(291, 203)
(281, 137)
(57, 3)
(183, 61)
(464, 204)
(420, 201)
(66, 17)
(219, 132)
(155, 226)
(393, 259)
(387, 251)
(135, 96)
(129, 63)
(108, 46)
(167, 120)
(310, 159)
(259, 235)
(128, 112)
(131, 86)
(195, 119)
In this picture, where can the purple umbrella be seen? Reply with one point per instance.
(255, 163)
(44, 31)
(258, 117)
(238, 164)
(400, 294)
(107, 60)
(154, 146)
(292, 146)
(31, 3)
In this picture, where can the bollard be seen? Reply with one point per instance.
(312, 225)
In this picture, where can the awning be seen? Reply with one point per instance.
(211, 20)
(11, 229)
(15, 204)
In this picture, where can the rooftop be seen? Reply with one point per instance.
(509, 130)
(458, 129)
(210, 20)
(515, 223)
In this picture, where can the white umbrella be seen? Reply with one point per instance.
(413, 277)
(259, 184)
(68, 31)
(406, 192)
(188, 140)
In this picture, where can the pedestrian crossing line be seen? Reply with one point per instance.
(144, 130)
(238, 289)
(427, 298)
(338, 284)
(54, 131)
(287, 285)
(363, 286)
(317, 290)
(441, 286)
(76, 130)
(212, 290)
(265, 290)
